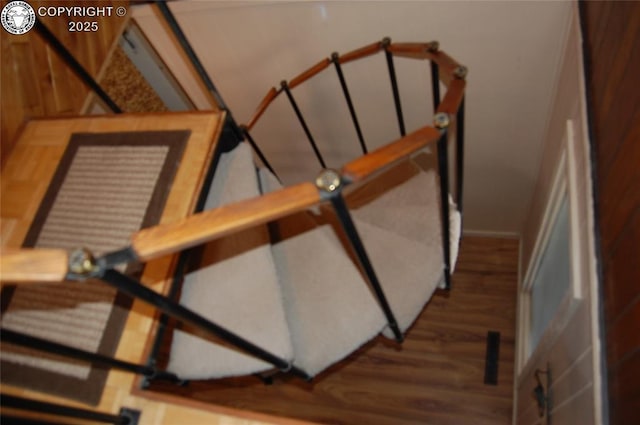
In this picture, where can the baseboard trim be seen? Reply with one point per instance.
(490, 234)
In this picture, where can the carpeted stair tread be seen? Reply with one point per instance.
(417, 194)
(418, 221)
(303, 297)
(322, 287)
(237, 288)
(419, 189)
(409, 271)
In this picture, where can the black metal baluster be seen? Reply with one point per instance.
(294, 105)
(330, 184)
(75, 66)
(435, 85)
(134, 289)
(195, 61)
(394, 85)
(335, 59)
(163, 319)
(434, 46)
(125, 418)
(460, 154)
(441, 122)
(183, 259)
(257, 150)
(36, 343)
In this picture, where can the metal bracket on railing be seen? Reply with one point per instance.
(330, 183)
(441, 121)
(460, 72)
(83, 265)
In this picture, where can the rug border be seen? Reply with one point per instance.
(90, 390)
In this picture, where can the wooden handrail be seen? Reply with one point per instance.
(50, 265)
(266, 101)
(446, 64)
(169, 238)
(315, 69)
(33, 265)
(412, 50)
(380, 159)
(453, 97)
(362, 52)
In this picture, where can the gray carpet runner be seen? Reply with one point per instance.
(106, 187)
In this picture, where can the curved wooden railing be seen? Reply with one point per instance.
(150, 243)
(33, 265)
(52, 265)
(451, 73)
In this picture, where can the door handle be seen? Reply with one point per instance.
(541, 393)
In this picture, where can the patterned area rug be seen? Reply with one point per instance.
(107, 186)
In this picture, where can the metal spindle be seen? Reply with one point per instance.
(134, 289)
(441, 121)
(75, 66)
(435, 85)
(294, 105)
(195, 61)
(347, 96)
(330, 183)
(460, 155)
(257, 150)
(21, 403)
(394, 85)
(36, 343)
(183, 259)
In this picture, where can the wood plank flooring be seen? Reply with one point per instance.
(435, 377)
(36, 83)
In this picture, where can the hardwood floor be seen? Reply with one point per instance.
(435, 377)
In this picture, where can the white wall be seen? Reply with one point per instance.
(512, 49)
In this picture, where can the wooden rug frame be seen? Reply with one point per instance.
(90, 390)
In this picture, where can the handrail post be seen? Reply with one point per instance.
(294, 105)
(386, 42)
(335, 58)
(330, 185)
(441, 122)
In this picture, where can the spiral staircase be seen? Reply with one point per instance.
(296, 278)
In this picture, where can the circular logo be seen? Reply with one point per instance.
(18, 17)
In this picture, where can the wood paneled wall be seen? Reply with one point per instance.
(569, 347)
(35, 82)
(612, 37)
